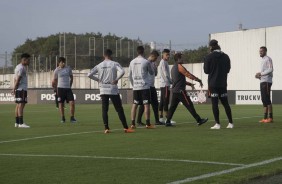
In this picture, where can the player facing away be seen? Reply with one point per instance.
(178, 74)
(62, 80)
(20, 90)
(154, 97)
(165, 82)
(109, 72)
(217, 66)
(139, 71)
(265, 75)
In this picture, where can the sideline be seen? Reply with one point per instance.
(122, 158)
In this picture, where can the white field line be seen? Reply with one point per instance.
(122, 158)
(227, 171)
(78, 133)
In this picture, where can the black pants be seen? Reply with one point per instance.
(185, 99)
(265, 89)
(118, 107)
(154, 103)
(164, 101)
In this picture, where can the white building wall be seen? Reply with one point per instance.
(243, 50)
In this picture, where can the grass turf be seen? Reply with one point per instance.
(82, 153)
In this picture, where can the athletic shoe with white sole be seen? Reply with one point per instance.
(230, 125)
(16, 125)
(162, 120)
(216, 127)
(23, 126)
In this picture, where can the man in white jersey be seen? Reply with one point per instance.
(154, 97)
(165, 82)
(20, 90)
(109, 72)
(265, 75)
(62, 80)
(139, 71)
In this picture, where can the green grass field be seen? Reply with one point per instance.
(51, 152)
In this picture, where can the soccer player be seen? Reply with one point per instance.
(165, 82)
(265, 76)
(217, 66)
(139, 74)
(154, 97)
(62, 80)
(178, 74)
(109, 72)
(20, 90)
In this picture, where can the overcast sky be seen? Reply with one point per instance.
(184, 22)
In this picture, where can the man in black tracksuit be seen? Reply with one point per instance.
(178, 74)
(217, 66)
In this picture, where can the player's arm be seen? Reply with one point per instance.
(150, 69)
(228, 65)
(55, 79)
(187, 74)
(155, 68)
(92, 74)
(130, 75)
(206, 66)
(71, 80)
(165, 73)
(17, 83)
(190, 84)
(269, 68)
(121, 72)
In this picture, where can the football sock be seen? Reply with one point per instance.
(265, 116)
(271, 115)
(133, 122)
(17, 120)
(148, 122)
(20, 120)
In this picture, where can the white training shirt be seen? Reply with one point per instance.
(152, 77)
(63, 76)
(165, 79)
(107, 71)
(266, 69)
(139, 70)
(20, 71)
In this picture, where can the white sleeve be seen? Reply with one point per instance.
(92, 73)
(120, 70)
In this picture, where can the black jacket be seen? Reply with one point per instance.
(217, 66)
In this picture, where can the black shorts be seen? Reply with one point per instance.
(218, 93)
(21, 96)
(265, 89)
(65, 94)
(141, 97)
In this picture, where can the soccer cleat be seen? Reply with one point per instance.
(162, 120)
(73, 120)
(159, 123)
(128, 130)
(230, 125)
(140, 124)
(132, 126)
(16, 125)
(262, 121)
(63, 120)
(23, 126)
(216, 127)
(150, 126)
(269, 120)
(172, 122)
(202, 121)
(107, 131)
(169, 125)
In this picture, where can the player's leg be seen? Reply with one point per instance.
(166, 100)
(70, 99)
(136, 102)
(61, 99)
(269, 103)
(21, 105)
(146, 100)
(155, 105)
(105, 109)
(224, 100)
(174, 103)
(263, 91)
(140, 114)
(161, 105)
(214, 99)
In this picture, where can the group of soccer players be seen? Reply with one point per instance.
(142, 73)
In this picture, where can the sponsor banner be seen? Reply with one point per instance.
(249, 97)
(7, 96)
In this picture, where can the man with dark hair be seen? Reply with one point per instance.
(178, 74)
(154, 97)
(165, 82)
(139, 72)
(265, 76)
(20, 90)
(108, 78)
(217, 66)
(63, 79)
